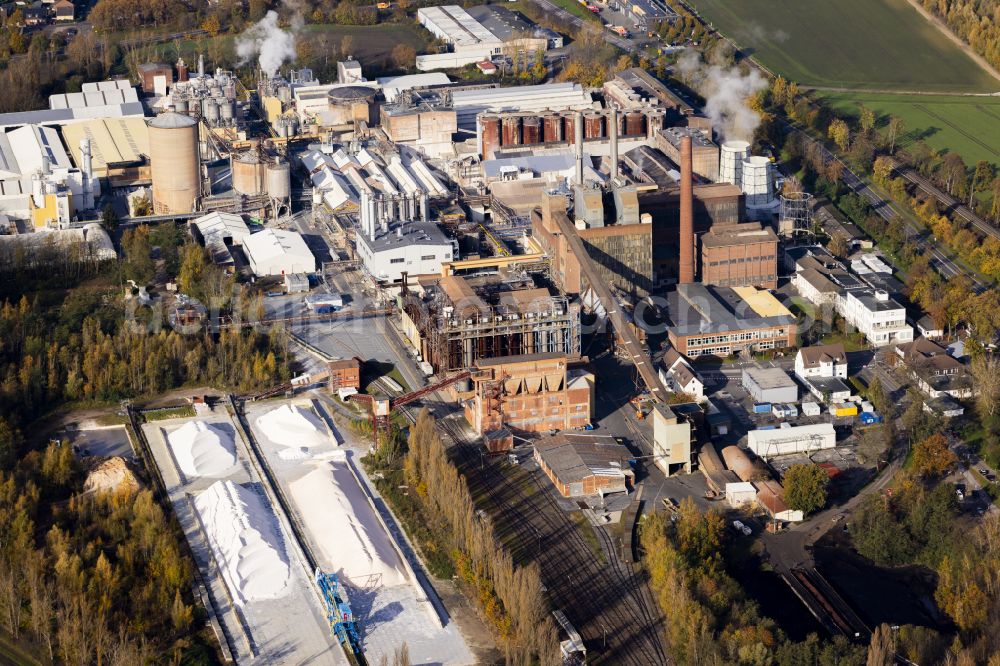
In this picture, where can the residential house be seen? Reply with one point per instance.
(934, 370)
(678, 375)
(927, 328)
(881, 319)
(36, 14)
(821, 361)
(64, 11)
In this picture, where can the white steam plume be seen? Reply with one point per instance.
(727, 91)
(266, 40)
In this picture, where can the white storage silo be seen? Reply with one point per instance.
(756, 182)
(731, 161)
(278, 181)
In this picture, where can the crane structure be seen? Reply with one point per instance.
(339, 614)
(382, 407)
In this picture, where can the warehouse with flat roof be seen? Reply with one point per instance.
(115, 141)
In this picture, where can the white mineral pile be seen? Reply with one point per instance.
(351, 540)
(202, 449)
(243, 533)
(294, 428)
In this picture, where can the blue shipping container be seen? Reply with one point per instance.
(869, 418)
(762, 408)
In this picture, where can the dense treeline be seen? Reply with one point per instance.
(94, 578)
(709, 620)
(509, 597)
(977, 22)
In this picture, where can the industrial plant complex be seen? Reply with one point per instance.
(582, 304)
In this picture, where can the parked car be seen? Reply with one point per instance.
(741, 528)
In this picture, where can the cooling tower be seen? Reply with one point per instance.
(731, 161)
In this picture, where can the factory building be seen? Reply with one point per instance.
(278, 252)
(712, 205)
(38, 183)
(531, 392)
(721, 321)
(174, 162)
(518, 130)
(431, 129)
(459, 321)
(581, 465)
(411, 248)
(743, 255)
(769, 385)
(622, 253)
(565, 96)
(89, 243)
(469, 39)
(671, 440)
(796, 439)
(219, 232)
(705, 153)
(645, 88)
(480, 33)
(119, 149)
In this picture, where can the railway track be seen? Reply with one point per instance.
(605, 603)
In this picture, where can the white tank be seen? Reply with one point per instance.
(731, 161)
(210, 109)
(278, 181)
(757, 183)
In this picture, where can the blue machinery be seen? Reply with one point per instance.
(339, 614)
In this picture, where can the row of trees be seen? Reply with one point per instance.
(708, 618)
(509, 597)
(977, 22)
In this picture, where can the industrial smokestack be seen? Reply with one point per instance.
(613, 130)
(578, 130)
(87, 169)
(686, 275)
(424, 207)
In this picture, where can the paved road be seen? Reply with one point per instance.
(885, 209)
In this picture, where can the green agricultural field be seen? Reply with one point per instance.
(371, 43)
(969, 126)
(871, 44)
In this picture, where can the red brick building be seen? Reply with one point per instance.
(743, 255)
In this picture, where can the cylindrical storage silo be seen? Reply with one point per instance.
(279, 185)
(511, 127)
(731, 161)
(249, 173)
(182, 71)
(635, 123)
(175, 165)
(531, 130)
(593, 125)
(569, 127)
(491, 134)
(350, 104)
(654, 121)
(551, 128)
(757, 184)
(180, 105)
(226, 111)
(210, 110)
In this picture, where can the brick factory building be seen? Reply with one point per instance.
(744, 255)
(459, 321)
(622, 253)
(345, 373)
(532, 392)
(581, 465)
(705, 153)
(720, 321)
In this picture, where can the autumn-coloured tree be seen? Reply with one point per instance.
(932, 457)
(805, 487)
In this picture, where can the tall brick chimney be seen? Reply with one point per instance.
(686, 274)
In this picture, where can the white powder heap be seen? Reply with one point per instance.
(243, 533)
(350, 538)
(293, 428)
(202, 449)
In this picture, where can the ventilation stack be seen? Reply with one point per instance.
(578, 138)
(686, 275)
(613, 131)
(87, 167)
